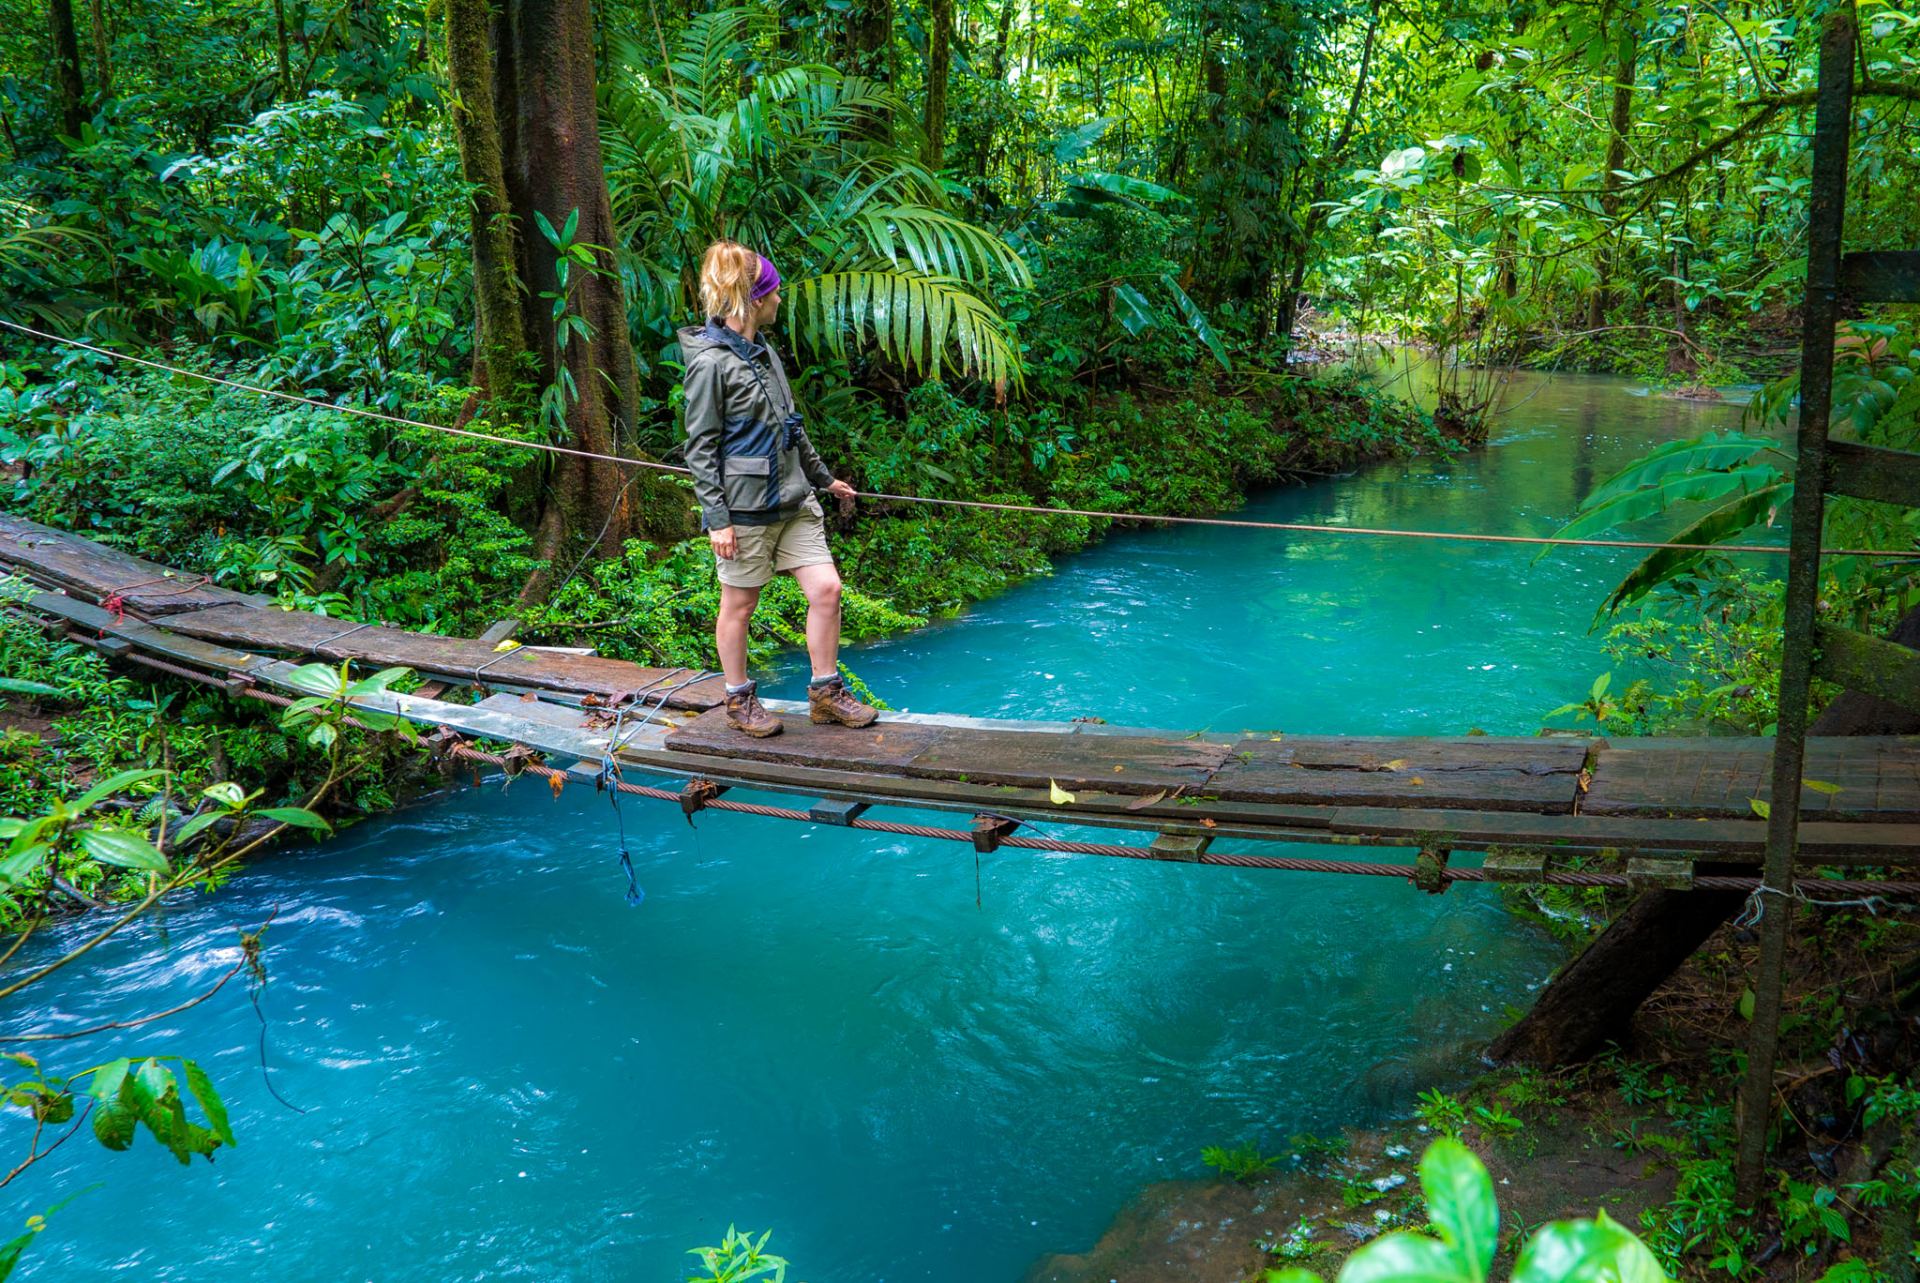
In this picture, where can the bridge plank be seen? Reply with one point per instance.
(1114, 764)
(97, 572)
(1502, 775)
(1849, 779)
(461, 658)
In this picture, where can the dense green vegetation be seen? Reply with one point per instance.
(1050, 253)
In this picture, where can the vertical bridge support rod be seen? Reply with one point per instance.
(1832, 124)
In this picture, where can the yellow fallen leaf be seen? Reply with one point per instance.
(505, 646)
(1119, 768)
(1396, 764)
(1415, 780)
(1059, 795)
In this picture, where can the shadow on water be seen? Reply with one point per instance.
(508, 1073)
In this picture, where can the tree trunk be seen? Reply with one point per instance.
(1593, 1001)
(1680, 360)
(939, 63)
(67, 82)
(1619, 125)
(528, 131)
(102, 50)
(280, 37)
(504, 365)
(869, 53)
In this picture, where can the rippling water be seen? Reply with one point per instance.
(508, 1073)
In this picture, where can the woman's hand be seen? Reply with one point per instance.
(842, 491)
(725, 543)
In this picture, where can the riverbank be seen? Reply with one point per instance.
(1643, 1132)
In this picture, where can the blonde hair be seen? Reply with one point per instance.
(727, 276)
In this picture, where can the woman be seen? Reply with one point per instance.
(754, 474)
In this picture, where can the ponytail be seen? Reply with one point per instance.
(728, 273)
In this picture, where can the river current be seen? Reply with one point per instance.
(506, 1072)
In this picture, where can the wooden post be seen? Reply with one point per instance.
(1774, 899)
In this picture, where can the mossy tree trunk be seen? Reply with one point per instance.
(68, 85)
(102, 51)
(526, 120)
(1619, 125)
(939, 65)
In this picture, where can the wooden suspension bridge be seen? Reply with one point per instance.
(1530, 803)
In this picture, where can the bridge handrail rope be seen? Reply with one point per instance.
(1452, 536)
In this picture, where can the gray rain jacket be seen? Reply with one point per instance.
(752, 463)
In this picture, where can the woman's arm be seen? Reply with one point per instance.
(705, 410)
(810, 462)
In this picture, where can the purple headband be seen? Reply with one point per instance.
(769, 280)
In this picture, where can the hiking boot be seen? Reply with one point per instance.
(746, 714)
(833, 702)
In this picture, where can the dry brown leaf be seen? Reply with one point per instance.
(1208, 823)
(1142, 803)
(559, 781)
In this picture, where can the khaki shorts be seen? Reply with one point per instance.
(766, 551)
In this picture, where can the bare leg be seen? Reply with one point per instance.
(821, 584)
(730, 630)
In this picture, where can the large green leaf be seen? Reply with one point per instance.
(1718, 526)
(209, 1100)
(1131, 309)
(1627, 506)
(1099, 187)
(113, 784)
(317, 679)
(1197, 320)
(123, 848)
(1407, 1258)
(21, 864)
(1460, 1201)
(19, 686)
(296, 816)
(1596, 1251)
(1712, 451)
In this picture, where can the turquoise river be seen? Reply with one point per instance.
(505, 1072)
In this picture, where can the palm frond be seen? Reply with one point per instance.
(705, 66)
(937, 243)
(922, 320)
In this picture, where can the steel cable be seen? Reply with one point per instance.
(1229, 859)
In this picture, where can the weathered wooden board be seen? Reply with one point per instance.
(1115, 764)
(1848, 779)
(97, 573)
(297, 632)
(1483, 773)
